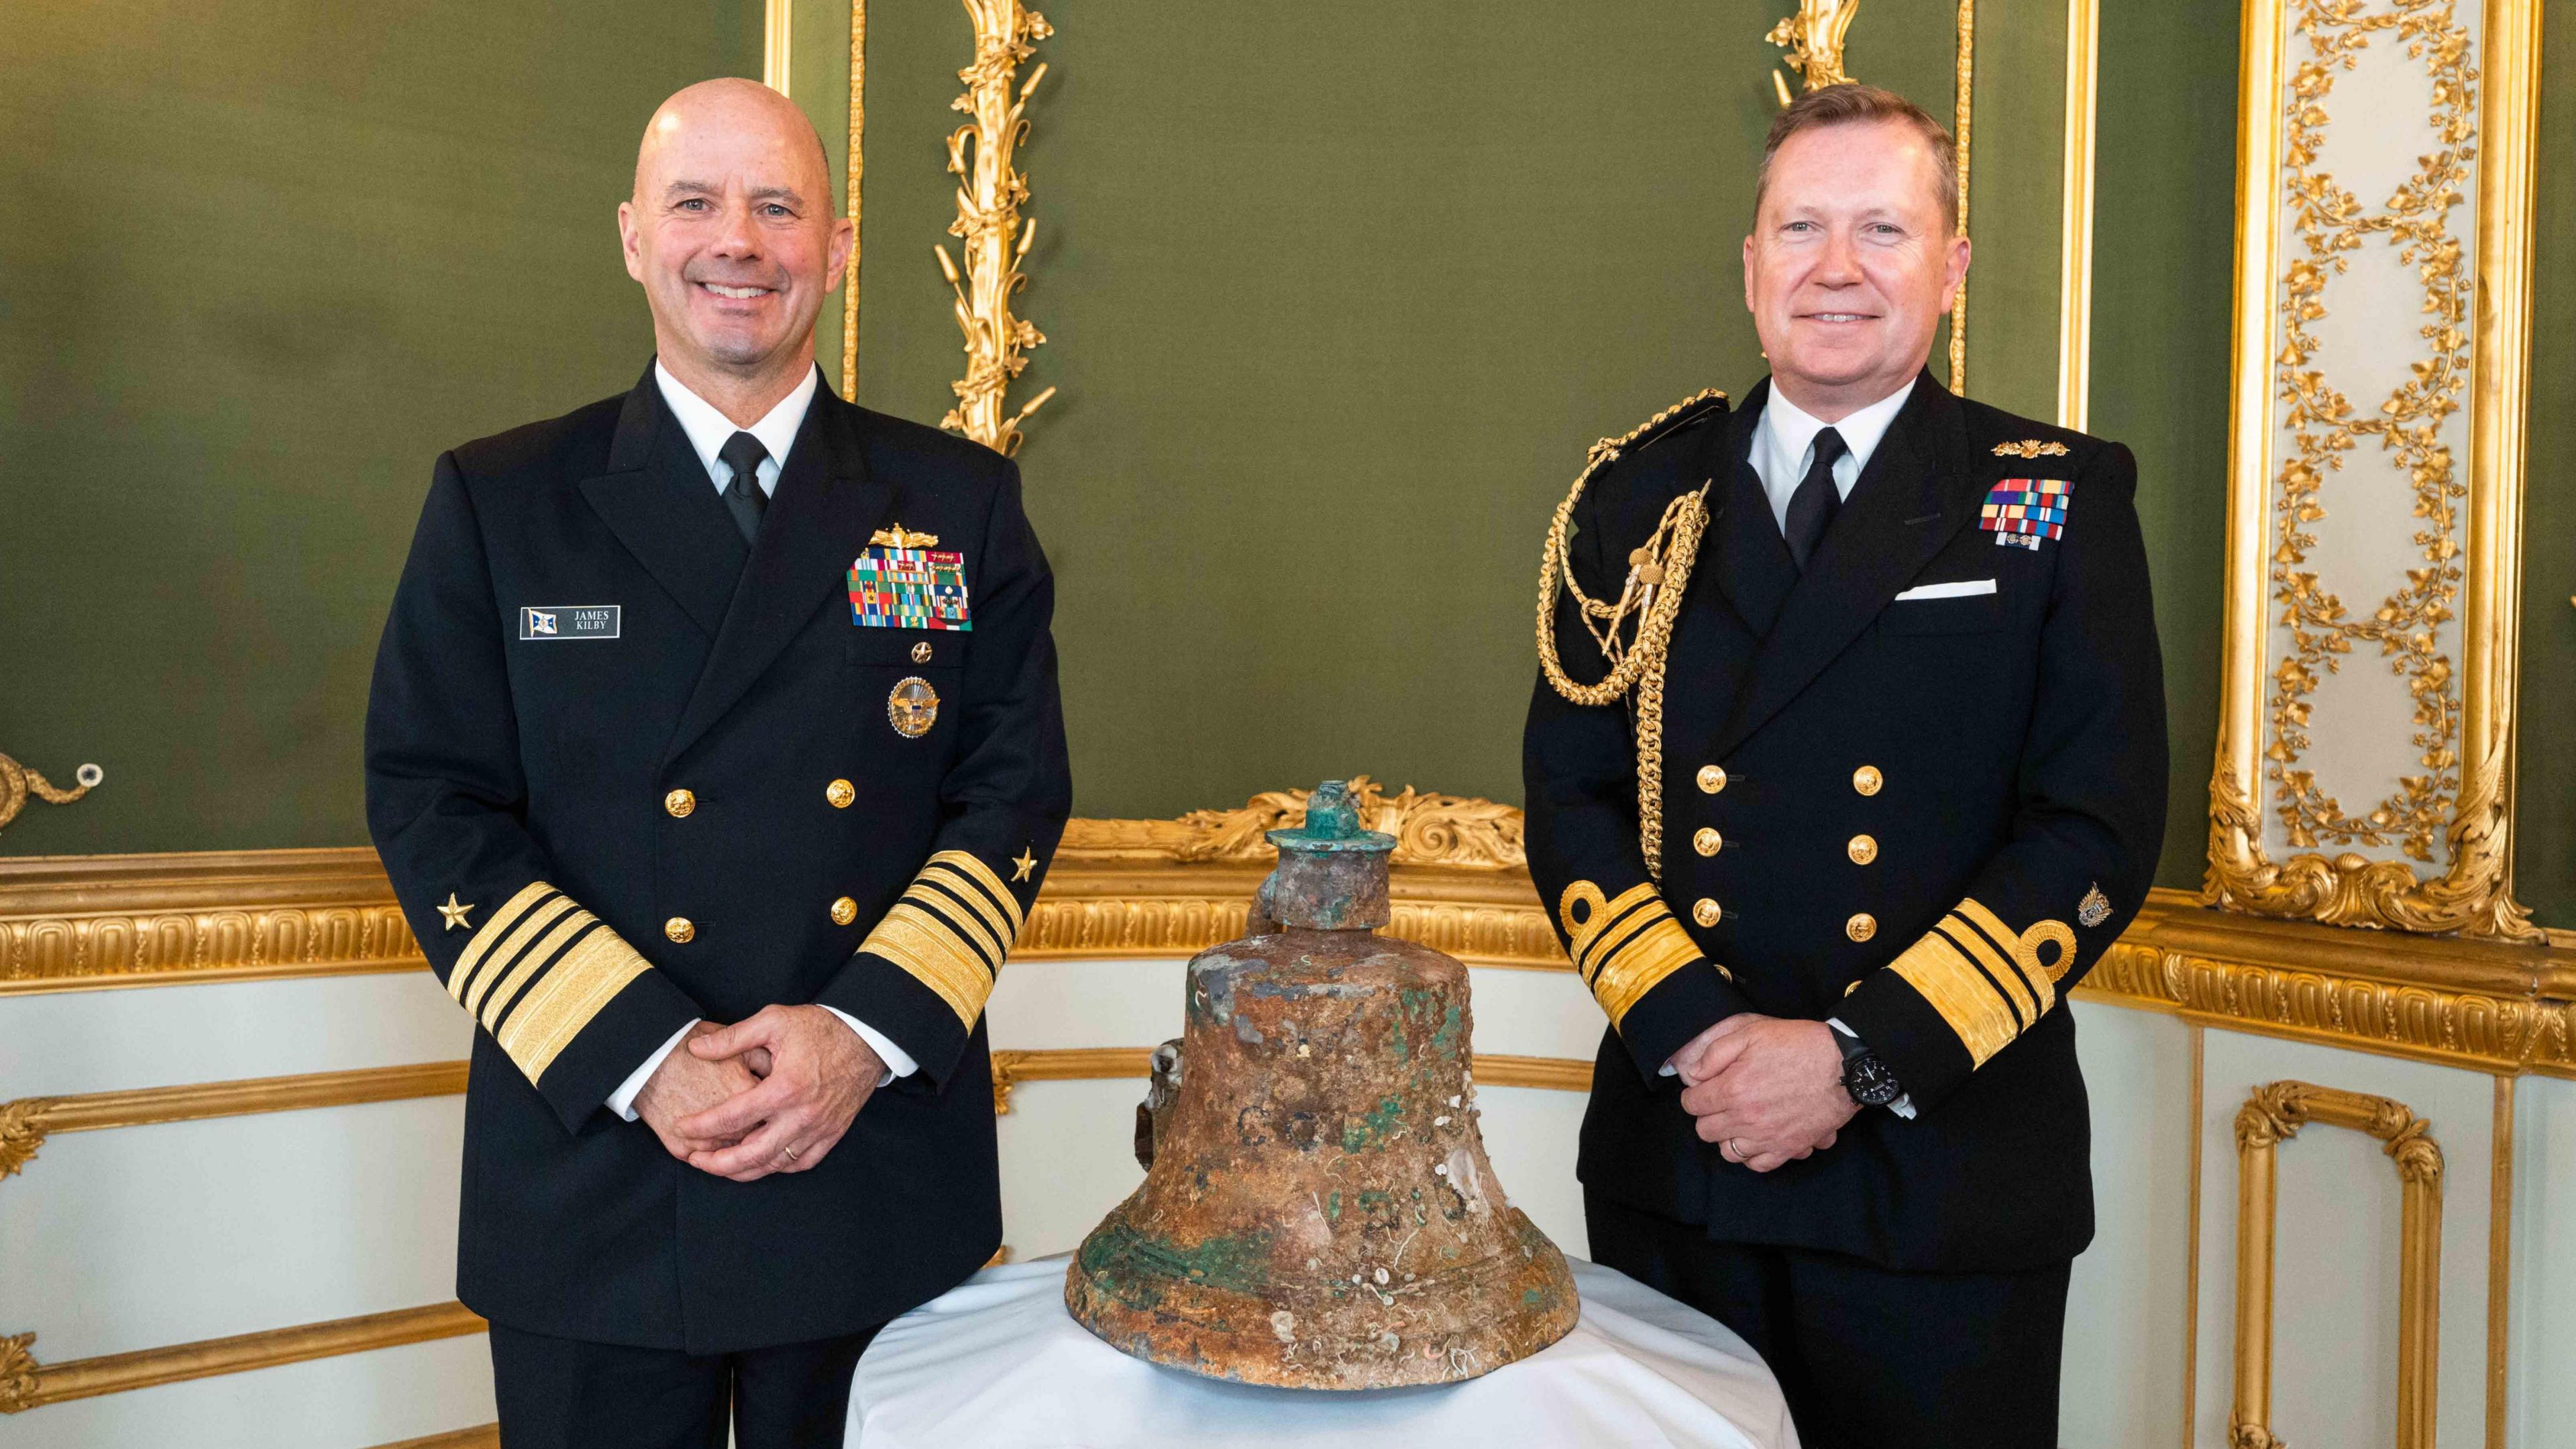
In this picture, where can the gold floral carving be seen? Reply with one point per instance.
(1453, 830)
(2463, 522)
(1814, 39)
(17, 782)
(996, 240)
(1966, 81)
(2272, 1115)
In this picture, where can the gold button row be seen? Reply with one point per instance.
(680, 803)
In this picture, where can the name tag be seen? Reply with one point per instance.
(570, 621)
(1958, 589)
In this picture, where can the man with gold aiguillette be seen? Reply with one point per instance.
(1846, 762)
(715, 756)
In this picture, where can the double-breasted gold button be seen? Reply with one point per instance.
(1707, 841)
(1863, 849)
(1861, 926)
(1706, 912)
(840, 793)
(844, 911)
(1867, 779)
(679, 803)
(680, 929)
(1711, 779)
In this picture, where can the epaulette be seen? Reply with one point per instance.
(1608, 449)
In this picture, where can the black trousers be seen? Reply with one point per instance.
(1869, 1358)
(560, 1393)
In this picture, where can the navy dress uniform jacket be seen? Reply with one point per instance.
(699, 809)
(1926, 817)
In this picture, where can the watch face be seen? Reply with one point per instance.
(1869, 1081)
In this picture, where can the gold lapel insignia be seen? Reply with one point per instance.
(913, 707)
(899, 536)
(454, 913)
(2095, 908)
(2030, 448)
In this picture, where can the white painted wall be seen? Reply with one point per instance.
(2121, 1382)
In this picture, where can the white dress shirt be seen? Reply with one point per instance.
(708, 431)
(1784, 443)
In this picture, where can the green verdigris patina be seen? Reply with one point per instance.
(1318, 1210)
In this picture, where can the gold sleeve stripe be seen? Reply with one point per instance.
(982, 874)
(1972, 1005)
(1998, 967)
(480, 943)
(2024, 947)
(1640, 965)
(555, 1009)
(933, 954)
(970, 902)
(1604, 915)
(515, 949)
(1611, 943)
(959, 919)
(531, 964)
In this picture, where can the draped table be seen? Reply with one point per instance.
(997, 1363)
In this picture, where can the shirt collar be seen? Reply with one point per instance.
(1789, 430)
(709, 429)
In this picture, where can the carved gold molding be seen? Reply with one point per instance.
(28, 1121)
(1076, 1064)
(17, 782)
(2075, 246)
(996, 240)
(1967, 73)
(27, 1384)
(1813, 39)
(2272, 1115)
(2485, 96)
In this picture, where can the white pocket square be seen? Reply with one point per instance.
(1958, 589)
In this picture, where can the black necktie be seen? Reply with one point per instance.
(1811, 508)
(743, 454)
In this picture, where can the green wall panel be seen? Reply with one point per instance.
(2545, 858)
(264, 260)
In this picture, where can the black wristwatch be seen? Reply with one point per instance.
(1865, 1077)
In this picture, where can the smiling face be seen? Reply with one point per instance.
(732, 233)
(1851, 264)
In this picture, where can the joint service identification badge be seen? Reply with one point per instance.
(909, 588)
(913, 707)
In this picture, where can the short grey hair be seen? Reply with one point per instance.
(1851, 104)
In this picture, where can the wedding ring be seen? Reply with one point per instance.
(788, 1152)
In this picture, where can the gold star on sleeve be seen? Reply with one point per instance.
(455, 914)
(1027, 861)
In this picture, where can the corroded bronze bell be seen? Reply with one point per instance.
(1318, 1211)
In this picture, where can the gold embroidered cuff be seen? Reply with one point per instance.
(538, 971)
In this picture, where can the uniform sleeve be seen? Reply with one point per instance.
(568, 1000)
(924, 973)
(1579, 770)
(2087, 828)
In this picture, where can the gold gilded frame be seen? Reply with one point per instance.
(2473, 895)
(2272, 1115)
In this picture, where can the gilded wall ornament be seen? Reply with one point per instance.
(1814, 39)
(2430, 854)
(1429, 829)
(996, 239)
(17, 782)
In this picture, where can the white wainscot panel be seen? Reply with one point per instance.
(2126, 1327)
(2335, 1260)
(141, 1237)
(332, 1403)
(2542, 1334)
(163, 1036)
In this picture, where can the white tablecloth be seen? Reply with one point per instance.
(997, 1363)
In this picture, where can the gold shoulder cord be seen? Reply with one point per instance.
(1650, 599)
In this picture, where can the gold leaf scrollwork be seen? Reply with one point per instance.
(1814, 39)
(1429, 829)
(995, 237)
(21, 1133)
(17, 1372)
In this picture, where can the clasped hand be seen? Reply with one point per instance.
(1766, 1090)
(772, 1093)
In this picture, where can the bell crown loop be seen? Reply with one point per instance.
(1332, 875)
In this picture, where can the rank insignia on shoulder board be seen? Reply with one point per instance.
(909, 588)
(2022, 511)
